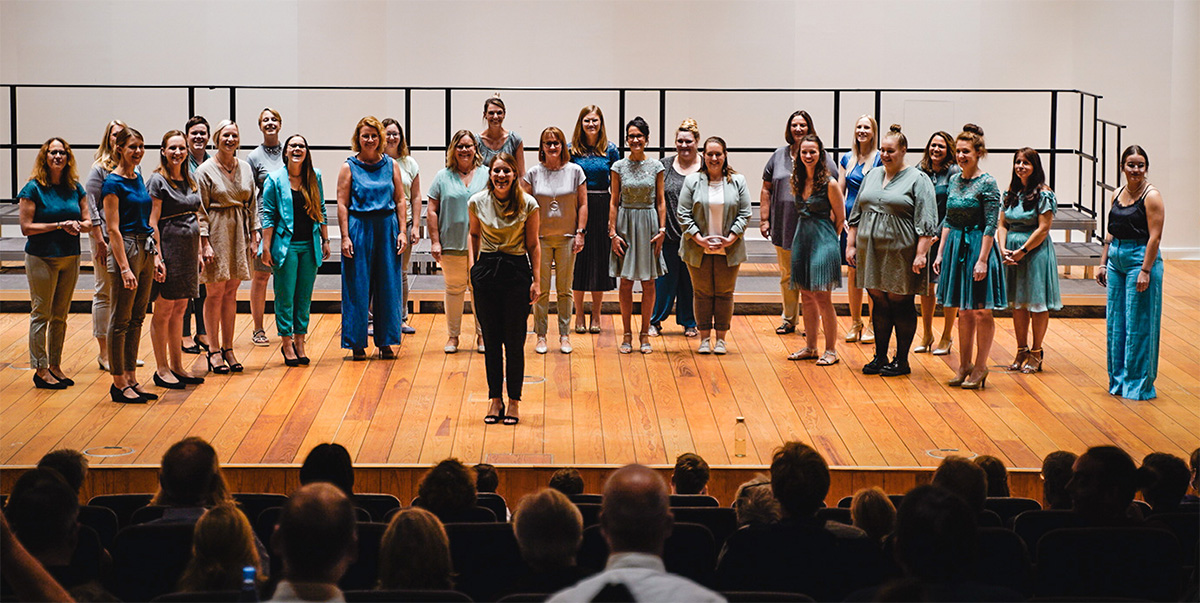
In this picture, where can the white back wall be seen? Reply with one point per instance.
(1141, 55)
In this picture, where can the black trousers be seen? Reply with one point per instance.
(501, 288)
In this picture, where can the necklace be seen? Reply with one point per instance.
(1133, 196)
(228, 170)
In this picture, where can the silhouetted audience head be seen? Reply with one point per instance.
(1164, 481)
(447, 489)
(997, 475)
(1103, 485)
(936, 539)
(222, 544)
(415, 553)
(799, 479)
(568, 481)
(1194, 464)
(42, 511)
(316, 536)
(873, 512)
(549, 529)
(486, 478)
(329, 463)
(755, 503)
(71, 464)
(635, 516)
(691, 474)
(190, 476)
(1057, 468)
(964, 478)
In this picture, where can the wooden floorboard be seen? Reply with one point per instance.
(596, 407)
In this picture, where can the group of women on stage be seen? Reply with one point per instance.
(187, 237)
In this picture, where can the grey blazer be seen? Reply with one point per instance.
(693, 216)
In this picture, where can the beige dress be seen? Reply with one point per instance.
(228, 213)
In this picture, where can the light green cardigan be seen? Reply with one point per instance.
(693, 216)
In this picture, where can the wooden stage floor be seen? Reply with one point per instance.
(596, 407)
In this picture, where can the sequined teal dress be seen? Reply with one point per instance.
(972, 212)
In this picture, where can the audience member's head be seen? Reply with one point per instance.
(448, 488)
(71, 464)
(486, 478)
(1194, 463)
(873, 512)
(549, 529)
(415, 553)
(964, 478)
(799, 479)
(190, 476)
(755, 503)
(329, 463)
(316, 536)
(1057, 468)
(568, 481)
(691, 474)
(42, 511)
(1103, 485)
(936, 537)
(222, 544)
(997, 475)
(635, 516)
(1164, 481)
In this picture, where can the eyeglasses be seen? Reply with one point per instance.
(552, 143)
(464, 146)
(635, 136)
(297, 145)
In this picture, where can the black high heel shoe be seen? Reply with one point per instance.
(289, 361)
(186, 380)
(147, 395)
(222, 369)
(233, 366)
(196, 346)
(40, 383)
(159, 381)
(118, 395)
(67, 381)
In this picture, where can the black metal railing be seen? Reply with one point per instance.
(1090, 198)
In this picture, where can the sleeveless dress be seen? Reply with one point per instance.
(972, 209)
(854, 178)
(1033, 282)
(816, 263)
(637, 221)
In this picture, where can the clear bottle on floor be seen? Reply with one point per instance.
(740, 434)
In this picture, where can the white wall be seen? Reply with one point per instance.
(1141, 55)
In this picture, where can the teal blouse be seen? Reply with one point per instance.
(973, 204)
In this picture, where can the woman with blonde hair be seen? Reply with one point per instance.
(495, 139)
(265, 159)
(674, 289)
(371, 210)
(223, 544)
(592, 151)
(415, 553)
(873, 512)
(98, 237)
(53, 211)
(229, 222)
(862, 158)
(448, 222)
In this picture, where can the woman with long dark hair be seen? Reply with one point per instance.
(506, 279)
(937, 163)
(1132, 269)
(1030, 266)
(592, 151)
(293, 221)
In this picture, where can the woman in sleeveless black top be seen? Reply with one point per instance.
(1131, 268)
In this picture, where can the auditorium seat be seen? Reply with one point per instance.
(1003, 560)
(1139, 563)
(253, 503)
(591, 499)
(689, 551)
(216, 596)
(1032, 525)
(147, 514)
(377, 505)
(838, 514)
(486, 558)
(1186, 527)
(148, 560)
(721, 521)
(476, 514)
(494, 502)
(524, 598)
(989, 519)
(101, 519)
(749, 596)
(693, 500)
(1008, 507)
(121, 504)
(590, 513)
(364, 573)
(896, 499)
(405, 596)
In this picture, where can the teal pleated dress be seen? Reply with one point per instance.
(816, 253)
(972, 212)
(1032, 284)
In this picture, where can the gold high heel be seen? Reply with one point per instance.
(855, 332)
(1019, 359)
(943, 350)
(925, 347)
(961, 376)
(1033, 362)
(976, 384)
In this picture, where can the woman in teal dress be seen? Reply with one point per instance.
(969, 264)
(816, 268)
(1030, 266)
(937, 163)
(637, 225)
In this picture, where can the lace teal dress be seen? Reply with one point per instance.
(1033, 282)
(972, 211)
(816, 254)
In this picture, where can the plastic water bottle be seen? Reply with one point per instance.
(740, 432)
(249, 584)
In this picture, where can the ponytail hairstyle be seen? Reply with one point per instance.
(123, 138)
(1132, 150)
(800, 173)
(511, 204)
(1029, 192)
(690, 125)
(494, 100)
(927, 161)
(894, 133)
(973, 134)
(726, 171)
(164, 165)
(641, 126)
(105, 150)
(314, 204)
